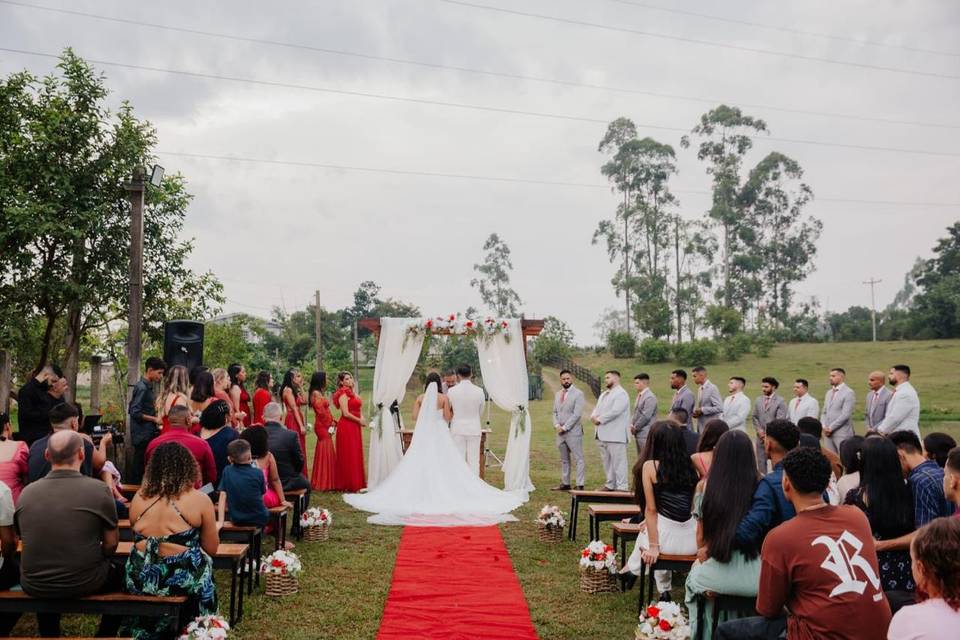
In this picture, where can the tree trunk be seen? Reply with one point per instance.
(626, 259)
(71, 343)
(45, 344)
(6, 382)
(676, 246)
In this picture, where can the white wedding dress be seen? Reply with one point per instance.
(432, 485)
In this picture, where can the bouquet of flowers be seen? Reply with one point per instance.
(551, 517)
(663, 621)
(316, 524)
(457, 325)
(598, 568)
(206, 628)
(283, 563)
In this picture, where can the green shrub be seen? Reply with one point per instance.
(735, 347)
(621, 344)
(653, 351)
(697, 352)
(762, 345)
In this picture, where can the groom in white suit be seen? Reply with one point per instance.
(466, 401)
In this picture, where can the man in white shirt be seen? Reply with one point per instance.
(903, 410)
(612, 419)
(803, 405)
(837, 415)
(877, 400)
(736, 406)
(466, 401)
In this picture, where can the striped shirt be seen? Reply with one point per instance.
(929, 503)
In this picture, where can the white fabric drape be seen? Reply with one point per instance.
(503, 366)
(395, 365)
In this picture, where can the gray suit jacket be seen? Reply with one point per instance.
(644, 412)
(877, 408)
(684, 400)
(709, 402)
(776, 409)
(837, 411)
(569, 413)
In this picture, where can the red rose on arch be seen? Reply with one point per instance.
(452, 317)
(665, 626)
(469, 324)
(429, 324)
(652, 612)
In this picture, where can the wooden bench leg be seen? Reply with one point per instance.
(233, 593)
(244, 575)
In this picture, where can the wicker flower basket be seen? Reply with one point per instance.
(549, 534)
(316, 533)
(597, 580)
(281, 585)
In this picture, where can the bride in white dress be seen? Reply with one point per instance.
(432, 485)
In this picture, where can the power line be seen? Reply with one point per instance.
(708, 43)
(506, 179)
(483, 72)
(782, 29)
(475, 107)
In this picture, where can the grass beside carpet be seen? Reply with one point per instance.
(347, 579)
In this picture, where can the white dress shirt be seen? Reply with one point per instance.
(903, 411)
(806, 406)
(736, 410)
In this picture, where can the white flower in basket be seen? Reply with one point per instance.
(598, 555)
(284, 563)
(551, 517)
(206, 628)
(663, 621)
(316, 517)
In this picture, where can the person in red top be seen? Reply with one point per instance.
(291, 392)
(821, 566)
(262, 396)
(178, 432)
(239, 396)
(221, 391)
(350, 475)
(324, 456)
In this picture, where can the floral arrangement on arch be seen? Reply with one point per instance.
(551, 517)
(599, 556)
(316, 517)
(457, 325)
(281, 562)
(206, 628)
(663, 621)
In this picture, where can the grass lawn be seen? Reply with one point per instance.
(346, 580)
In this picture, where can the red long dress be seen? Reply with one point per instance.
(261, 398)
(291, 423)
(245, 408)
(350, 475)
(324, 456)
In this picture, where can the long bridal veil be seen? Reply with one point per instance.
(432, 485)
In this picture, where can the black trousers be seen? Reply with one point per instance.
(297, 482)
(135, 474)
(755, 628)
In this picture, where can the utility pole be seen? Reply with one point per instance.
(316, 321)
(873, 304)
(356, 358)
(136, 188)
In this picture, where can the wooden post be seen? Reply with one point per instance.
(316, 321)
(95, 362)
(5, 381)
(137, 189)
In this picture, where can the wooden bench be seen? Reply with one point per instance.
(600, 513)
(623, 533)
(598, 497)
(278, 518)
(299, 499)
(106, 603)
(665, 562)
(228, 556)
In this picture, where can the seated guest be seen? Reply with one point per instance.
(13, 459)
(285, 446)
(951, 479)
(936, 568)
(769, 506)
(9, 568)
(721, 501)
(264, 461)
(681, 422)
(217, 433)
(175, 532)
(833, 494)
(668, 479)
(813, 427)
(179, 433)
(936, 446)
(887, 501)
(68, 522)
(925, 478)
(821, 565)
(708, 440)
(65, 417)
(850, 459)
(242, 488)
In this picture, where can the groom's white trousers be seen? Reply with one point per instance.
(469, 447)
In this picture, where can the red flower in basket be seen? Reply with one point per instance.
(489, 321)
(608, 549)
(665, 626)
(504, 325)
(584, 553)
(469, 324)
(277, 563)
(653, 612)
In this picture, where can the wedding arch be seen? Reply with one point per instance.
(501, 347)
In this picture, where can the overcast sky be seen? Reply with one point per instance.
(275, 233)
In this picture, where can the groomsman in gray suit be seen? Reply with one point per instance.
(644, 410)
(837, 416)
(768, 407)
(567, 412)
(683, 397)
(612, 418)
(877, 400)
(709, 402)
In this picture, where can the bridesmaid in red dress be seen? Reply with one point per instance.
(291, 392)
(324, 456)
(221, 391)
(262, 396)
(350, 474)
(238, 395)
(176, 392)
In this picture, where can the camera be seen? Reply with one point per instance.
(100, 430)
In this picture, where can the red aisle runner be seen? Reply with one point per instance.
(455, 583)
